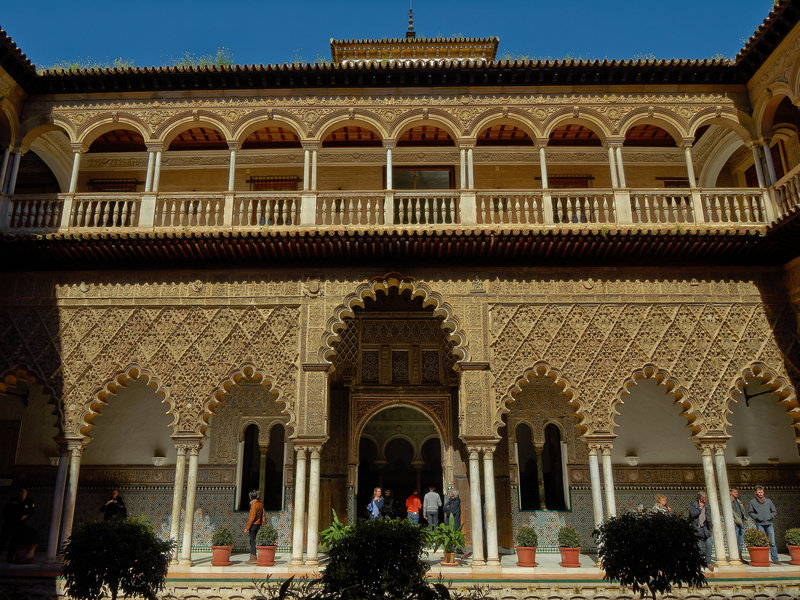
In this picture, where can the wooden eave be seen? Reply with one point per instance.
(350, 246)
(780, 21)
(15, 63)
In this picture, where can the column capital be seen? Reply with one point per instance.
(474, 452)
(765, 140)
(466, 144)
(715, 445)
(471, 366)
(78, 148)
(233, 144)
(612, 142)
(389, 144)
(323, 367)
(750, 144)
(542, 142)
(687, 143)
(310, 146)
(154, 146)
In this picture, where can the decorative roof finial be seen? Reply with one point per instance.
(410, 33)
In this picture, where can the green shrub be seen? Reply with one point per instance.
(792, 536)
(222, 537)
(650, 552)
(526, 537)
(448, 537)
(568, 537)
(376, 560)
(104, 557)
(334, 532)
(267, 536)
(755, 538)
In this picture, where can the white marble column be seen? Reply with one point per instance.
(177, 499)
(4, 169)
(773, 176)
(299, 507)
(594, 477)
(462, 160)
(232, 146)
(620, 166)
(727, 507)
(612, 165)
(470, 170)
(608, 477)
(262, 470)
(389, 181)
(148, 180)
(492, 550)
(306, 169)
(543, 162)
(757, 163)
(12, 176)
(713, 503)
(58, 505)
(476, 515)
(191, 496)
(75, 449)
(313, 508)
(157, 172)
(314, 169)
(77, 152)
(687, 152)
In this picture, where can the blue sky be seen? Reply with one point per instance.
(157, 33)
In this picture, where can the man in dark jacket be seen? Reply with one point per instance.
(762, 511)
(114, 507)
(15, 515)
(738, 518)
(701, 513)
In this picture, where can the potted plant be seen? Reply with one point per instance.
(527, 540)
(792, 538)
(221, 546)
(757, 544)
(266, 544)
(569, 544)
(451, 539)
(25, 547)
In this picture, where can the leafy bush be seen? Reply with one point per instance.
(753, 538)
(448, 537)
(222, 537)
(376, 560)
(103, 557)
(334, 532)
(526, 537)
(792, 536)
(267, 536)
(650, 552)
(568, 537)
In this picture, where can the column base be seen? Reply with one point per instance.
(312, 562)
(721, 563)
(493, 563)
(297, 562)
(186, 562)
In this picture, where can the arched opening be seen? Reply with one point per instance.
(368, 172)
(784, 145)
(425, 135)
(251, 462)
(126, 175)
(529, 497)
(196, 160)
(562, 172)
(262, 467)
(499, 172)
(650, 144)
(35, 177)
(352, 137)
(649, 136)
(553, 468)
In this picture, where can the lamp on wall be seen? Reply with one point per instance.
(159, 461)
(632, 460)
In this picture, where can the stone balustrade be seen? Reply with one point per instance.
(435, 208)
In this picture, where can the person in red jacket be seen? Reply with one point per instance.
(413, 506)
(254, 523)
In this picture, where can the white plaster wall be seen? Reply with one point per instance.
(651, 426)
(38, 426)
(131, 429)
(762, 430)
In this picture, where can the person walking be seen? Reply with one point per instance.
(452, 508)
(762, 511)
(254, 522)
(375, 504)
(738, 518)
(114, 507)
(701, 514)
(413, 506)
(430, 506)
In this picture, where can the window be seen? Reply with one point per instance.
(262, 468)
(431, 178)
(528, 469)
(273, 183)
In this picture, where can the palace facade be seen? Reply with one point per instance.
(557, 287)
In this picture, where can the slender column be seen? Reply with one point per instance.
(157, 172)
(727, 507)
(76, 166)
(75, 451)
(470, 170)
(148, 180)
(299, 507)
(540, 476)
(314, 169)
(177, 499)
(58, 504)
(773, 176)
(462, 160)
(389, 182)
(594, 477)
(262, 470)
(543, 161)
(612, 165)
(713, 503)
(687, 152)
(306, 168)
(620, 167)
(232, 166)
(191, 496)
(608, 476)
(476, 515)
(492, 551)
(313, 508)
(12, 176)
(4, 169)
(757, 163)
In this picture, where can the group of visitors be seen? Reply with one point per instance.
(760, 509)
(382, 505)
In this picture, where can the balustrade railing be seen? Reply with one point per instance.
(35, 212)
(190, 210)
(266, 209)
(787, 192)
(510, 207)
(583, 206)
(662, 206)
(350, 208)
(733, 206)
(104, 211)
(426, 208)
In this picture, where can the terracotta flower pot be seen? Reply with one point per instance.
(794, 553)
(526, 556)
(221, 556)
(759, 556)
(449, 559)
(266, 555)
(23, 554)
(570, 557)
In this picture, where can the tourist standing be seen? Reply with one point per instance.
(701, 514)
(762, 511)
(738, 518)
(452, 508)
(254, 522)
(413, 506)
(114, 507)
(661, 504)
(388, 504)
(375, 504)
(430, 506)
